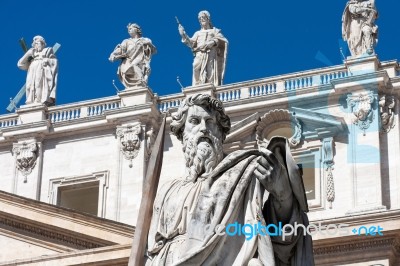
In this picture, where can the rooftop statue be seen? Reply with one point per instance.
(358, 26)
(42, 66)
(189, 212)
(135, 54)
(210, 48)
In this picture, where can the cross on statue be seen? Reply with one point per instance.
(14, 101)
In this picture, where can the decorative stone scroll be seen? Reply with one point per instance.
(328, 146)
(361, 108)
(129, 141)
(26, 154)
(386, 108)
(274, 119)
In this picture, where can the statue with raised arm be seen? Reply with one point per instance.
(210, 48)
(248, 187)
(358, 26)
(135, 54)
(42, 66)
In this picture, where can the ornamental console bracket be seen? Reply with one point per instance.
(361, 105)
(26, 154)
(129, 141)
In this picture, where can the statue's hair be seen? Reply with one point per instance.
(137, 27)
(38, 38)
(205, 12)
(207, 102)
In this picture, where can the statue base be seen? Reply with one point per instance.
(136, 96)
(358, 65)
(207, 88)
(31, 113)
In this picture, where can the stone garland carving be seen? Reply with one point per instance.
(150, 138)
(361, 107)
(130, 141)
(386, 108)
(328, 146)
(278, 115)
(26, 157)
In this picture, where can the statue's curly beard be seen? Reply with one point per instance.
(202, 154)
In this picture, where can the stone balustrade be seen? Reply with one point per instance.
(267, 86)
(226, 93)
(78, 110)
(170, 101)
(9, 120)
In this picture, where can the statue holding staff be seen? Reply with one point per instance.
(210, 48)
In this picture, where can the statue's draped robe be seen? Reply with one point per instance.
(209, 64)
(183, 211)
(41, 80)
(135, 65)
(353, 26)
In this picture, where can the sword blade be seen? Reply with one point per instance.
(139, 245)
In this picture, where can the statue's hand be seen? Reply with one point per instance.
(210, 44)
(181, 30)
(273, 176)
(30, 52)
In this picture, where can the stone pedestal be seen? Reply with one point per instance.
(208, 88)
(136, 96)
(362, 65)
(32, 113)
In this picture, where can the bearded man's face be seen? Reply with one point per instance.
(202, 142)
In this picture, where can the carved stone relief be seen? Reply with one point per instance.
(26, 154)
(129, 141)
(386, 108)
(361, 109)
(150, 138)
(278, 116)
(328, 146)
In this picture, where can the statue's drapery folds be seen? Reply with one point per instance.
(210, 49)
(358, 26)
(42, 66)
(135, 54)
(190, 213)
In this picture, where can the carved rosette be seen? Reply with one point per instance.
(129, 141)
(26, 154)
(278, 116)
(328, 146)
(386, 108)
(361, 109)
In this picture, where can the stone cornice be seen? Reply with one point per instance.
(49, 233)
(352, 245)
(376, 80)
(33, 216)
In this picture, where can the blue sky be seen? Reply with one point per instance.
(266, 38)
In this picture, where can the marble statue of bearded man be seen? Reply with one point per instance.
(190, 214)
